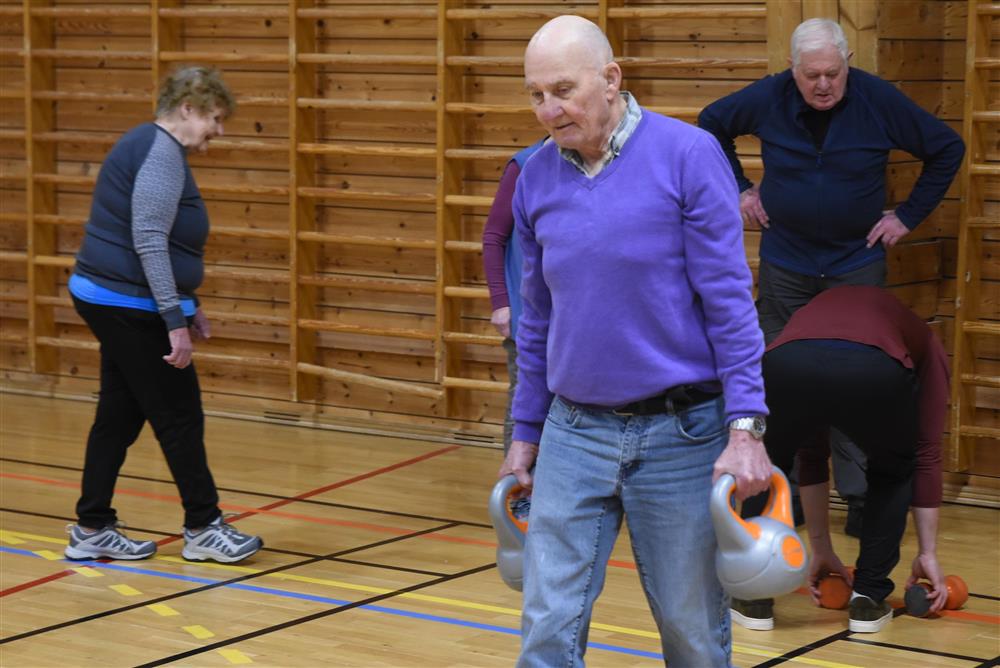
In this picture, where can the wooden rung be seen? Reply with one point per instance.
(364, 105)
(55, 260)
(464, 246)
(355, 59)
(8, 298)
(9, 94)
(473, 384)
(62, 342)
(251, 145)
(52, 219)
(17, 179)
(684, 113)
(374, 12)
(476, 339)
(87, 54)
(327, 326)
(980, 327)
(13, 256)
(242, 189)
(223, 13)
(358, 240)
(986, 116)
(104, 138)
(480, 153)
(11, 10)
(11, 53)
(118, 11)
(981, 222)
(468, 200)
(12, 338)
(979, 432)
(504, 14)
(980, 381)
(49, 300)
(987, 63)
(13, 216)
(357, 195)
(247, 318)
(222, 57)
(66, 179)
(261, 101)
(12, 134)
(258, 276)
(984, 169)
(699, 63)
(473, 108)
(466, 293)
(485, 61)
(367, 149)
(373, 284)
(240, 360)
(688, 12)
(247, 232)
(988, 9)
(371, 381)
(85, 96)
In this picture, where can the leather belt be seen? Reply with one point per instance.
(676, 399)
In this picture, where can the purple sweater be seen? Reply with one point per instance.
(636, 280)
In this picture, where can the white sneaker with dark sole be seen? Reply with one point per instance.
(220, 542)
(757, 615)
(106, 543)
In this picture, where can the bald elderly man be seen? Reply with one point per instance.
(638, 354)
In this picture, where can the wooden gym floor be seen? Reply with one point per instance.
(378, 552)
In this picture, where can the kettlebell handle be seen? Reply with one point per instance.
(779, 501)
(507, 487)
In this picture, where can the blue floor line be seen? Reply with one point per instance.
(323, 599)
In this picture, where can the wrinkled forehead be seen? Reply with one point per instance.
(546, 67)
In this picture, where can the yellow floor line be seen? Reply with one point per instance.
(8, 537)
(125, 590)
(89, 572)
(33, 536)
(235, 656)
(199, 631)
(163, 610)
(48, 554)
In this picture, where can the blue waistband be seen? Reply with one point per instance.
(86, 290)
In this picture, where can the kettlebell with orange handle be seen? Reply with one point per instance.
(510, 533)
(758, 557)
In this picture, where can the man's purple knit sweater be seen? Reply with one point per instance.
(635, 280)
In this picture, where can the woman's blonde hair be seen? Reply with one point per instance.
(203, 87)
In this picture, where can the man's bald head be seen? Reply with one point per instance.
(572, 34)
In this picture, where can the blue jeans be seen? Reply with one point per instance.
(593, 469)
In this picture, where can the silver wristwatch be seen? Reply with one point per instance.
(756, 425)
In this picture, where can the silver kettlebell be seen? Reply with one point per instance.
(758, 557)
(510, 533)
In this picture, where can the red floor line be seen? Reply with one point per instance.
(34, 583)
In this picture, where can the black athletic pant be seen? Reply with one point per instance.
(136, 386)
(812, 386)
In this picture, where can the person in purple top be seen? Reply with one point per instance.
(638, 352)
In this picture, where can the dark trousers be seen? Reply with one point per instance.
(815, 385)
(136, 386)
(781, 293)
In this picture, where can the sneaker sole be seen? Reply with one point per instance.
(874, 626)
(752, 623)
(222, 559)
(74, 554)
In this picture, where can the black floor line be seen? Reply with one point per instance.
(804, 649)
(266, 495)
(275, 550)
(312, 617)
(918, 650)
(215, 585)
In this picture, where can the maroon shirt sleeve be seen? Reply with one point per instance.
(932, 370)
(496, 233)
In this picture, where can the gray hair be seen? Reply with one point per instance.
(203, 87)
(816, 34)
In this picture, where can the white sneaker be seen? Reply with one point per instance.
(219, 542)
(108, 543)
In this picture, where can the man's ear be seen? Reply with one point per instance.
(849, 54)
(613, 77)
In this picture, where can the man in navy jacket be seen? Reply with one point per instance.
(825, 131)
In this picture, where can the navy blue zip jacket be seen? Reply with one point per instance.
(822, 202)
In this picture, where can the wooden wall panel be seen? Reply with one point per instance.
(379, 264)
